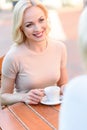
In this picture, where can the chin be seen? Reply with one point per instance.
(40, 39)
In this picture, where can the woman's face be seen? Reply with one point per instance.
(34, 24)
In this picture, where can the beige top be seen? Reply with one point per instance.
(35, 70)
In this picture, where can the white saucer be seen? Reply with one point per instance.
(46, 102)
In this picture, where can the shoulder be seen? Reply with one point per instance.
(77, 83)
(14, 54)
(14, 51)
(57, 43)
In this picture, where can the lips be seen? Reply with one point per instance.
(38, 35)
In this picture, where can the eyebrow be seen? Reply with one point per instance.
(28, 22)
(31, 21)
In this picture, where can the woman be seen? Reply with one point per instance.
(73, 113)
(34, 61)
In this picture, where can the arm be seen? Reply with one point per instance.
(8, 97)
(7, 88)
(63, 79)
(63, 69)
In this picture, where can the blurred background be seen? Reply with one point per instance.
(6, 4)
(63, 17)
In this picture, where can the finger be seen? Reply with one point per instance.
(38, 92)
(35, 98)
(42, 90)
(31, 102)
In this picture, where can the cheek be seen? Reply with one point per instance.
(45, 25)
(27, 31)
(46, 28)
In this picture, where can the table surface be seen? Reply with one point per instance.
(29, 117)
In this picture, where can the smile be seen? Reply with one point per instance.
(38, 35)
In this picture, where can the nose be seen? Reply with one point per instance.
(37, 27)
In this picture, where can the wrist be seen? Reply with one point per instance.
(21, 97)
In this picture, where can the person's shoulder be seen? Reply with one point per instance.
(13, 52)
(57, 43)
(76, 84)
(15, 49)
(78, 80)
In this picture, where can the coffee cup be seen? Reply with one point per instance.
(52, 93)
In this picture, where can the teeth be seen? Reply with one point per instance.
(38, 35)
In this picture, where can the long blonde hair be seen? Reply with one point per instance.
(18, 35)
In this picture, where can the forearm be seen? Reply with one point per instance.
(8, 99)
(63, 77)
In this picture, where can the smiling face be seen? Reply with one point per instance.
(34, 24)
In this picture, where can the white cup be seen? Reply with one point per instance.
(52, 93)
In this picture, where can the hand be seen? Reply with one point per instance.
(34, 96)
(62, 89)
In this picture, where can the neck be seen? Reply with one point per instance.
(37, 46)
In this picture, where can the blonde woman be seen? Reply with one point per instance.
(34, 61)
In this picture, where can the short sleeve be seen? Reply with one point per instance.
(10, 66)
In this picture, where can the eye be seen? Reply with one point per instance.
(41, 19)
(29, 25)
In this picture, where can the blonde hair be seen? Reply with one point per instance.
(18, 35)
(82, 35)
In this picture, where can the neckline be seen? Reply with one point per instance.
(37, 53)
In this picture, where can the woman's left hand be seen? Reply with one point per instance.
(62, 89)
